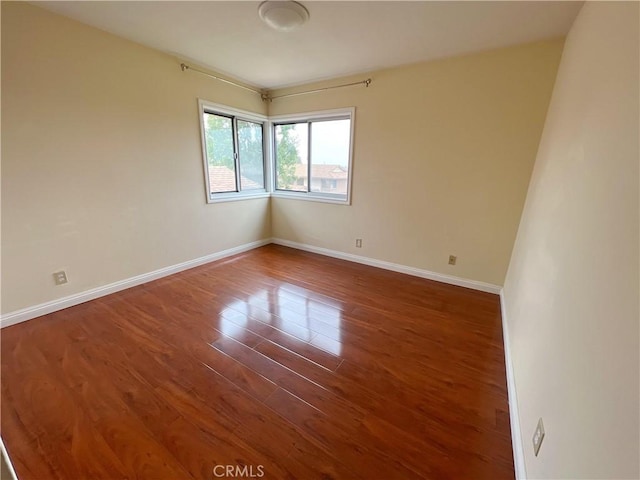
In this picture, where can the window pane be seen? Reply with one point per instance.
(292, 156)
(251, 158)
(330, 156)
(218, 136)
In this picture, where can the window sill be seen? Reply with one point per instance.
(234, 196)
(310, 197)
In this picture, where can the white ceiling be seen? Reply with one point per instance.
(340, 38)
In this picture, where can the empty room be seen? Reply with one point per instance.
(320, 240)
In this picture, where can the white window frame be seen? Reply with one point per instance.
(216, 108)
(310, 117)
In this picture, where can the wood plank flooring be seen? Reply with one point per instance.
(307, 366)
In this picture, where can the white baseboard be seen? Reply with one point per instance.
(71, 300)
(28, 313)
(416, 272)
(516, 433)
(7, 461)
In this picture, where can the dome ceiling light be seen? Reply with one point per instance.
(283, 16)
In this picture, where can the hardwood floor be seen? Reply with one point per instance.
(307, 366)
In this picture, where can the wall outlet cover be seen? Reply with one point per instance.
(60, 277)
(538, 436)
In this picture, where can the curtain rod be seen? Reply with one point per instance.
(366, 83)
(184, 67)
(266, 95)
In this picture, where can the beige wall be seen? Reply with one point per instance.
(442, 159)
(571, 294)
(102, 170)
(101, 160)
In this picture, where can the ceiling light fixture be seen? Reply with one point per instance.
(283, 15)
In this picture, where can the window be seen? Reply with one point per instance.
(233, 151)
(305, 156)
(312, 155)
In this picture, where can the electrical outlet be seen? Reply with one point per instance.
(452, 259)
(358, 243)
(60, 277)
(538, 436)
